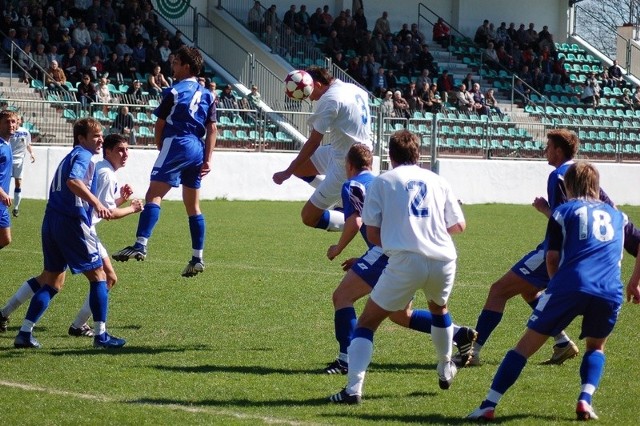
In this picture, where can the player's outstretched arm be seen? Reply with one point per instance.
(351, 227)
(303, 156)
(79, 189)
(633, 287)
(373, 235)
(136, 206)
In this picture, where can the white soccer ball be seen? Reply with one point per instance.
(298, 85)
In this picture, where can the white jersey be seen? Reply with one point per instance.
(20, 140)
(413, 207)
(343, 112)
(106, 186)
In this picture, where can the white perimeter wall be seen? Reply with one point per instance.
(247, 176)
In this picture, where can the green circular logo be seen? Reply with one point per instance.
(172, 9)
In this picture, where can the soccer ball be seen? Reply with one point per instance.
(298, 85)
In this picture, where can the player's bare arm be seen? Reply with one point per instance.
(78, 188)
(158, 129)
(303, 156)
(542, 205)
(351, 227)
(458, 228)
(5, 198)
(209, 144)
(373, 235)
(553, 262)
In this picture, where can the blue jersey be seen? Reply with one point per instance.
(556, 192)
(6, 164)
(354, 192)
(76, 165)
(589, 236)
(186, 107)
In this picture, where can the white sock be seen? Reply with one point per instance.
(99, 327)
(27, 326)
(197, 253)
(561, 338)
(455, 328)
(343, 357)
(83, 315)
(142, 240)
(442, 338)
(360, 352)
(16, 199)
(23, 294)
(336, 221)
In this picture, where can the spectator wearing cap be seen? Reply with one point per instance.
(86, 91)
(135, 93)
(56, 79)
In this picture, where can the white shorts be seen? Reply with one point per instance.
(17, 170)
(409, 272)
(329, 191)
(102, 251)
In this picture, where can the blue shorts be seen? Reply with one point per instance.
(555, 312)
(68, 241)
(179, 162)
(533, 269)
(5, 220)
(370, 266)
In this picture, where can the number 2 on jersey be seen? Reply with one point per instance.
(419, 190)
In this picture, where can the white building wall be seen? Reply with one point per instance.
(247, 176)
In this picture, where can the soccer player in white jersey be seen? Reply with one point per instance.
(585, 238)
(116, 152)
(20, 145)
(411, 213)
(342, 114)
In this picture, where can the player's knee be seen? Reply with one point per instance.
(309, 220)
(5, 241)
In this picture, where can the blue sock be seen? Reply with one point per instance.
(196, 228)
(98, 300)
(345, 323)
(590, 373)
(487, 322)
(323, 223)
(365, 333)
(507, 374)
(33, 283)
(40, 302)
(441, 321)
(148, 219)
(421, 321)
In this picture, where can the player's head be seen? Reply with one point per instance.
(87, 132)
(115, 149)
(562, 145)
(322, 79)
(404, 148)
(582, 180)
(359, 158)
(187, 62)
(9, 122)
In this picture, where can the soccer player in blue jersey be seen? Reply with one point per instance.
(411, 213)
(529, 276)
(69, 239)
(363, 273)
(342, 114)
(583, 254)
(8, 126)
(186, 114)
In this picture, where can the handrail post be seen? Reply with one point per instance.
(195, 26)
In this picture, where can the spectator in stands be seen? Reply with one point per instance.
(135, 93)
(271, 18)
(606, 80)
(26, 63)
(502, 37)
(382, 24)
(326, 17)
(98, 48)
(156, 81)
(289, 18)
(139, 55)
(24, 19)
(302, 20)
(39, 28)
(339, 61)
(128, 68)
(407, 64)
(479, 105)
(108, 16)
(441, 32)
(367, 70)
(53, 54)
(522, 37)
(50, 17)
(332, 45)
(80, 36)
(445, 85)
(380, 50)
(425, 60)
(532, 37)
(468, 80)
(56, 78)
(636, 98)
(423, 79)
(84, 62)
(253, 98)
(504, 58)
(400, 105)
(40, 58)
(361, 21)
(560, 74)
(65, 20)
(86, 91)
(122, 48)
(97, 67)
(492, 35)
(417, 35)
(255, 20)
(112, 68)
(595, 84)
(615, 73)
(626, 100)
(464, 99)
(481, 36)
(227, 99)
(71, 65)
(104, 95)
(124, 124)
(93, 13)
(316, 23)
(412, 96)
(538, 80)
(392, 80)
(588, 95)
(379, 83)
(521, 92)
(491, 102)
(387, 105)
(513, 33)
(490, 57)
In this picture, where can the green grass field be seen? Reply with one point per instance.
(243, 342)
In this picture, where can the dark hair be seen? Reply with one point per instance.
(83, 126)
(111, 141)
(404, 147)
(566, 140)
(320, 75)
(360, 156)
(190, 56)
